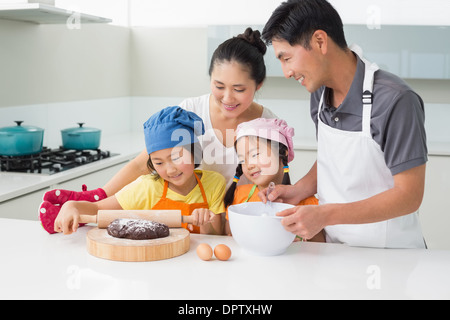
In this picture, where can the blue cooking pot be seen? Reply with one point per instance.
(21, 140)
(81, 138)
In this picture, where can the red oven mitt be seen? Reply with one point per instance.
(54, 199)
(60, 196)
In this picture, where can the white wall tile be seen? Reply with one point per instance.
(112, 116)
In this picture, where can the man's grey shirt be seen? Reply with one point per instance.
(397, 123)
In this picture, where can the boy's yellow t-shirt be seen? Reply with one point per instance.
(145, 192)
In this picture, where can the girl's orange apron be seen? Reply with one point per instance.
(186, 208)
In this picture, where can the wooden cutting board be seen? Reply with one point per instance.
(102, 245)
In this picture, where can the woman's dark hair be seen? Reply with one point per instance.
(283, 154)
(194, 148)
(296, 21)
(247, 49)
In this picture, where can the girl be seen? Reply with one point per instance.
(264, 148)
(173, 154)
(237, 72)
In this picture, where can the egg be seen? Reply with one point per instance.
(222, 252)
(204, 251)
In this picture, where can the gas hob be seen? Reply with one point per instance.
(51, 161)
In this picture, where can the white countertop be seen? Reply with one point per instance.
(127, 145)
(36, 265)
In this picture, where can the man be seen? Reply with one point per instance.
(372, 153)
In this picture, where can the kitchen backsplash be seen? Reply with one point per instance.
(110, 115)
(127, 114)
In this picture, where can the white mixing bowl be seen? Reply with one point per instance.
(257, 233)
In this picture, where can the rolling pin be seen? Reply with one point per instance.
(172, 218)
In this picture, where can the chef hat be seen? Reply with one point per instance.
(172, 127)
(272, 129)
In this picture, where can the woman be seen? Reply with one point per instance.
(237, 72)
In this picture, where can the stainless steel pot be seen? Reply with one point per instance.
(81, 138)
(21, 140)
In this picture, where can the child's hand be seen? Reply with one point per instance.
(202, 217)
(67, 219)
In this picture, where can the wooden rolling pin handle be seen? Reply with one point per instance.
(105, 217)
(88, 219)
(187, 219)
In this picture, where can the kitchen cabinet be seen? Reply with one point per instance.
(302, 163)
(26, 206)
(411, 52)
(435, 209)
(434, 212)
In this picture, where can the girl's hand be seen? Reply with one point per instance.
(67, 219)
(202, 217)
(208, 222)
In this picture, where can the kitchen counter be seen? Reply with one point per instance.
(36, 265)
(127, 145)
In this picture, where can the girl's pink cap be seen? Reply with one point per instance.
(272, 129)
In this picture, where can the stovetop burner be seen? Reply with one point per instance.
(51, 161)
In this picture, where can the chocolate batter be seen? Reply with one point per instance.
(134, 229)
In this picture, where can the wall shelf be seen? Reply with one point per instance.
(45, 14)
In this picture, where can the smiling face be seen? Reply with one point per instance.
(175, 165)
(260, 160)
(232, 88)
(304, 65)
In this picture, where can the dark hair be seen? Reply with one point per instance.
(194, 148)
(296, 21)
(247, 49)
(283, 154)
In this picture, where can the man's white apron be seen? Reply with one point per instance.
(351, 167)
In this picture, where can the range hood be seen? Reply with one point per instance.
(44, 14)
